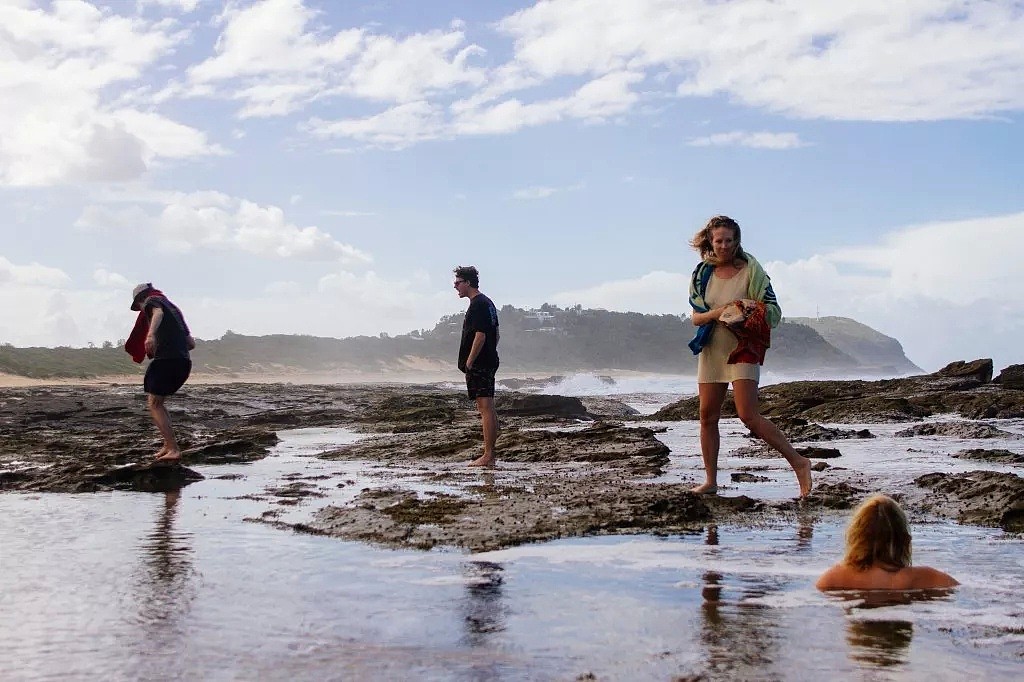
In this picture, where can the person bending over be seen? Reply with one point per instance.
(161, 334)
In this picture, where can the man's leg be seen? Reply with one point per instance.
(169, 452)
(489, 422)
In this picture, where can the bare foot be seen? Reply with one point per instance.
(484, 461)
(705, 489)
(803, 475)
(169, 456)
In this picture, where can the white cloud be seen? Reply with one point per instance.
(938, 288)
(656, 293)
(58, 68)
(110, 280)
(739, 138)
(931, 60)
(211, 220)
(32, 275)
(271, 57)
(179, 5)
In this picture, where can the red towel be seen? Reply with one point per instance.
(754, 336)
(136, 343)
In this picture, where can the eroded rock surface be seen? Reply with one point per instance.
(963, 388)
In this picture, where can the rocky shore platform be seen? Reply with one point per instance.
(567, 466)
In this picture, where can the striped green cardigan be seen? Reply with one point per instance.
(759, 289)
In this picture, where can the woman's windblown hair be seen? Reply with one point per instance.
(701, 241)
(878, 534)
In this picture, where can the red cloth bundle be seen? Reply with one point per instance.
(753, 334)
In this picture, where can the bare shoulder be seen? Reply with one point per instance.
(926, 577)
(835, 578)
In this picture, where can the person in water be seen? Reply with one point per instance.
(878, 549)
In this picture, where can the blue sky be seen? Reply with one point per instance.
(290, 166)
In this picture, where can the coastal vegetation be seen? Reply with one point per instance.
(546, 339)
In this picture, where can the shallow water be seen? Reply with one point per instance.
(125, 586)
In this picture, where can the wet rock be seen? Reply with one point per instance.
(980, 370)
(540, 405)
(608, 408)
(232, 451)
(413, 412)
(981, 497)
(295, 490)
(515, 384)
(635, 448)
(743, 477)
(819, 453)
(819, 466)
(836, 495)
(996, 456)
(961, 388)
(1011, 377)
(150, 478)
(489, 521)
(800, 430)
(955, 430)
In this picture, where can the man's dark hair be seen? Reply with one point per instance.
(468, 273)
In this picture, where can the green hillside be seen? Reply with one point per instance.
(549, 339)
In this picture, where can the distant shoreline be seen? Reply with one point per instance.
(326, 378)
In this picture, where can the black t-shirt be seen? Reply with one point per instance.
(481, 316)
(172, 334)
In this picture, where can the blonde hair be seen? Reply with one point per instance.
(701, 241)
(878, 533)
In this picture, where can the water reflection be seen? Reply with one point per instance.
(484, 604)
(881, 642)
(165, 585)
(739, 635)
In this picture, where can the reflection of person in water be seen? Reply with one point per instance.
(878, 549)
(485, 612)
(168, 560)
(737, 632)
(881, 643)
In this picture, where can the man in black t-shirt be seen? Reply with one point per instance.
(162, 335)
(478, 355)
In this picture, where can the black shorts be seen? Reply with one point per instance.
(480, 382)
(165, 376)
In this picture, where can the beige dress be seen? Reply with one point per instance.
(712, 365)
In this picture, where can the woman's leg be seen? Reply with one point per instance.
(711, 398)
(744, 394)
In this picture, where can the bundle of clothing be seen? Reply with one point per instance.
(747, 319)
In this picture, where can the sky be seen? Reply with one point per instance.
(319, 167)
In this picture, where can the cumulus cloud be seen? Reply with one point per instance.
(799, 59)
(271, 57)
(106, 279)
(211, 220)
(918, 284)
(60, 68)
(955, 59)
(32, 275)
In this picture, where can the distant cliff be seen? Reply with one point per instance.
(871, 349)
(549, 339)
